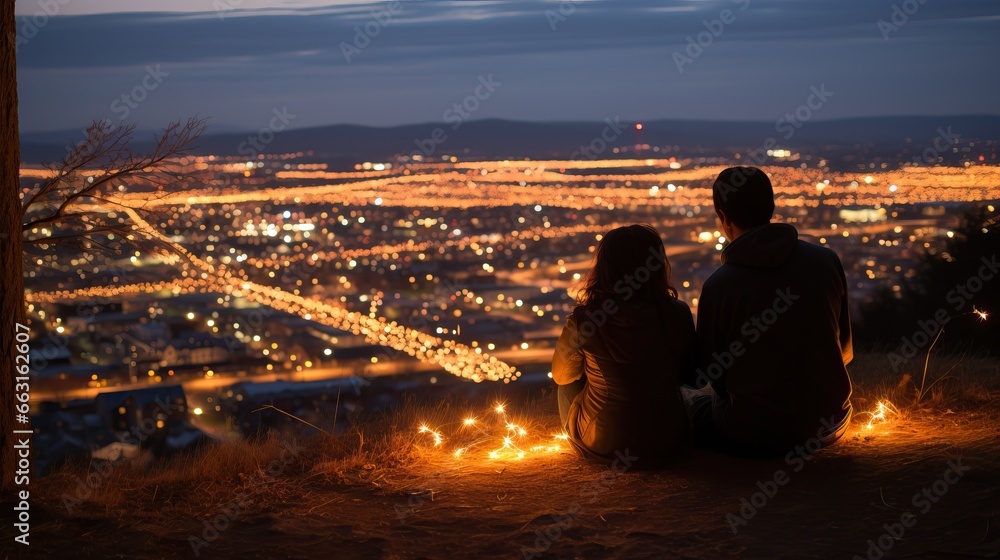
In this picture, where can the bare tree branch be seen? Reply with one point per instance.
(60, 239)
(89, 174)
(90, 152)
(56, 218)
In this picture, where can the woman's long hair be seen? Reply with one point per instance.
(630, 264)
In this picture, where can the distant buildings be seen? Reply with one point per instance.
(196, 349)
(113, 426)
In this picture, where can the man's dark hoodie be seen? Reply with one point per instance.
(775, 336)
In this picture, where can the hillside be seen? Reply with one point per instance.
(925, 484)
(502, 138)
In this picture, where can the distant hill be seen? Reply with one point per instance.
(494, 138)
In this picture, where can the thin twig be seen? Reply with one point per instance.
(290, 415)
(927, 359)
(335, 410)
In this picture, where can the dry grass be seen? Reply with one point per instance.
(186, 483)
(378, 443)
(271, 468)
(393, 440)
(381, 486)
(955, 381)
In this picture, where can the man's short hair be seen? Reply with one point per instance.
(745, 196)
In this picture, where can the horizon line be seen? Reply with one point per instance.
(236, 130)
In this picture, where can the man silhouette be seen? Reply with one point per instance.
(774, 331)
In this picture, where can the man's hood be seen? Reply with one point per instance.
(767, 246)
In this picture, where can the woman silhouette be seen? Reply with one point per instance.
(622, 354)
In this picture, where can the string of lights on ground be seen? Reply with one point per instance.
(493, 435)
(883, 412)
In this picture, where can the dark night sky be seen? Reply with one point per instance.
(606, 58)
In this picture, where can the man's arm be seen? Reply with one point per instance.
(567, 362)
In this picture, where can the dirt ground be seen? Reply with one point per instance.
(862, 497)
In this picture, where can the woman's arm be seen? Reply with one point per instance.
(567, 362)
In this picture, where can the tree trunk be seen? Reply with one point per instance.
(12, 310)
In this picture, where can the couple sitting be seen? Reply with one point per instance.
(764, 371)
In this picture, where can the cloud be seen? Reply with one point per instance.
(253, 57)
(449, 29)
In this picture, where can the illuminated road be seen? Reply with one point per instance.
(530, 357)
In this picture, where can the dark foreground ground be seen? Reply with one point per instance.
(924, 485)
